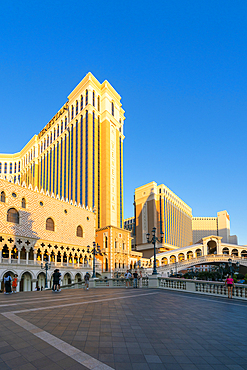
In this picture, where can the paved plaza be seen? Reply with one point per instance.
(122, 329)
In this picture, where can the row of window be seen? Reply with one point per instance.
(13, 167)
(3, 199)
(13, 216)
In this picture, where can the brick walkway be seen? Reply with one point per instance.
(127, 329)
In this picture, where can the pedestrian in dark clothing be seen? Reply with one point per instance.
(135, 275)
(56, 277)
(7, 283)
(86, 279)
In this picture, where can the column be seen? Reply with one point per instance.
(27, 253)
(18, 285)
(78, 262)
(0, 255)
(73, 261)
(42, 257)
(9, 261)
(55, 259)
(19, 256)
(34, 281)
(49, 258)
(34, 258)
(67, 261)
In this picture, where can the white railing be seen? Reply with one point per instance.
(215, 288)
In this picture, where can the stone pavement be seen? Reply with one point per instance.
(122, 329)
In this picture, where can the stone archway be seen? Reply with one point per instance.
(211, 247)
(26, 282)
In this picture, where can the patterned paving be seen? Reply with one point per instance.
(121, 329)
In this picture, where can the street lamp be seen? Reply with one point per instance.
(153, 241)
(46, 267)
(95, 251)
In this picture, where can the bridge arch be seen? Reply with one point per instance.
(211, 247)
(234, 252)
(244, 254)
(225, 250)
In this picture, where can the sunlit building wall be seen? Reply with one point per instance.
(157, 206)
(78, 155)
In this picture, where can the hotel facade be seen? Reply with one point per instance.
(157, 206)
(78, 155)
(76, 164)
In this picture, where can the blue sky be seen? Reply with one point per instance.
(180, 67)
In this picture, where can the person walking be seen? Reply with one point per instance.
(128, 276)
(14, 284)
(135, 275)
(7, 284)
(86, 279)
(140, 279)
(230, 284)
(56, 277)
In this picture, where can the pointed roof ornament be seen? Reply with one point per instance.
(30, 187)
(53, 196)
(24, 184)
(42, 191)
(36, 189)
(57, 197)
(47, 193)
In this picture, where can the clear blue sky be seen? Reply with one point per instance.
(180, 67)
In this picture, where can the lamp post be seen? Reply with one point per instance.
(46, 267)
(153, 241)
(95, 250)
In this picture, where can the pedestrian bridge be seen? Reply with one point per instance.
(209, 250)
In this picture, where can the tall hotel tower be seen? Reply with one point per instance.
(78, 156)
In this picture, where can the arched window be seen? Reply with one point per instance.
(76, 107)
(54, 134)
(51, 138)
(81, 102)
(61, 126)
(3, 197)
(13, 215)
(19, 166)
(10, 168)
(15, 167)
(98, 104)
(86, 97)
(5, 167)
(50, 224)
(112, 109)
(65, 123)
(72, 112)
(47, 140)
(23, 203)
(93, 98)
(79, 231)
(57, 130)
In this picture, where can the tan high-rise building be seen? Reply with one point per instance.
(78, 156)
(220, 226)
(157, 206)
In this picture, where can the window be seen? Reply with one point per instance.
(81, 102)
(54, 134)
(47, 141)
(112, 109)
(19, 166)
(65, 123)
(86, 97)
(10, 168)
(23, 203)
(98, 104)
(79, 231)
(13, 215)
(50, 224)
(76, 108)
(3, 197)
(5, 167)
(51, 138)
(0, 167)
(72, 112)
(15, 167)
(93, 98)
(57, 130)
